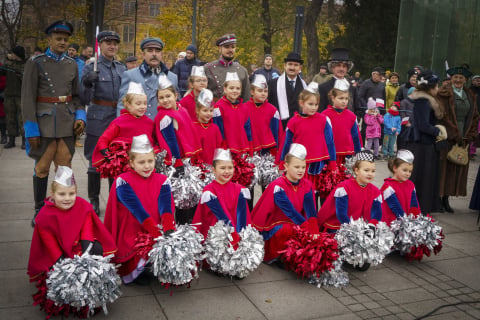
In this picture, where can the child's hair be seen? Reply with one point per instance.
(225, 84)
(132, 155)
(395, 163)
(363, 156)
(305, 95)
(289, 157)
(214, 163)
(128, 98)
(171, 88)
(54, 185)
(334, 93)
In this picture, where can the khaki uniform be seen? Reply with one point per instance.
(217, 71)
(13, 72)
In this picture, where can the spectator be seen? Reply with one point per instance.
(408, 121)
(268, 71)
(391, 89)
(322, 76)
(131, 62)
(411, 82)
(73, 53)
(373, 87)
(87, 52)
(183, 68)
(37, 51)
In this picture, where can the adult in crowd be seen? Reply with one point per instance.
(408, 121)
(217, 70)
(147, 74)
(356, 80)
(131, 62)
(37, 51)
(100, 89)
(391, 88)
(87, 52)
(13, 70)
(73, 53)
(51, 108)
(268, 71)
(372, 88)
(402, 92)
(427, 112)
(322, 76)
(461, 121)
(475, 87)
(284, 91)
(183, 68)
(339, 64)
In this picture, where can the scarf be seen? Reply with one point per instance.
(393, 112)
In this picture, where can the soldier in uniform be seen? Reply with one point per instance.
(100, 90)
(51, 109)
(217, 70)
(147, 74)
(13, 70)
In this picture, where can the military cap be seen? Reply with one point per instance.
(131, 59)
(460, 70)
(152, 42)
(108, 35)
(228, 38)
(60, 26)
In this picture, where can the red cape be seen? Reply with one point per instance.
(122, 224)
(210, 139)
(227, 195)
(342, 124)
(234, 118)
(260, 117)
(66, 226)
(188, 102)
(403, 190)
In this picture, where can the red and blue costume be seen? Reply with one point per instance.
(399, 198)
(348, 201)
(188, 102)
(210, 139)
(137, 204)
(346, 134)
(283, 205)
(233, 120)
(267, 130)
(176, 128)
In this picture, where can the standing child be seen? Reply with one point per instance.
(287, 201)
(140, 200)
(207, 131)
(373, 119)
(197, 81)
(265, 120)
(314, 131)
(117, 138)
(399, 195)
(353, 198)
(392, 127)
(344, 123)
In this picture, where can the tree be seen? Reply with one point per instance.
(310, 29)
(11, 16)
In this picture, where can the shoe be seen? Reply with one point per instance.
(23, 146)
(10, 143)
(3, 140)
(379, 158)
(93, 184)
(446, 205)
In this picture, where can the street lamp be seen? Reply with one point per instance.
(135, 30)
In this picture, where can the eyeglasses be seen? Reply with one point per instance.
(200, 80)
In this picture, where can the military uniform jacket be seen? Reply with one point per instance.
(106, 88)
(14, 73)
(217, 71)
(46, 77)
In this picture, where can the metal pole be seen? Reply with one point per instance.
(135, 30)
(299, 16)
(194, 23)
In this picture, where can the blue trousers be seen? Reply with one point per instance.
(389, 144)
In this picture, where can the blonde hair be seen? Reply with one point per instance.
(132, 155)
(289, 157)
(128, 98)
(305, 95)
(53, 186)
(225, 84)
(171, 88)
(336, 92)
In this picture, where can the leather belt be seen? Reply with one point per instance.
(60, 99)
(105, 103)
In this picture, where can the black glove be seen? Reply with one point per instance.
(104, 153)
(179, 171)
(90, 78)
(371, 230)
(96, 249)
(168, 233)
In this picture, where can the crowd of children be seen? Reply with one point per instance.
(141, 199)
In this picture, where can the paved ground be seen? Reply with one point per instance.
(397, 289)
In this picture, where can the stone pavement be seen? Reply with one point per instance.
(397, 289)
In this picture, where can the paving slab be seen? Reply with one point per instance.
(465, 242)
(139, 307)
(17, 211)
(385, 280)
(15, 230)
(24, 313)
(14, 255)
(423, 307)
(274, 299)
(464, 270)
(411, 295)
(17, 291)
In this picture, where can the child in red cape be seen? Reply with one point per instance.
(353, 198)
(399, 195)
(287, 201)
(223, 199)
(197, 81)
(207, 131)
(139, 201)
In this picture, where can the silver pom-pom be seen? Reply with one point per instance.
(362, 243)
(160, 166)
(415, 231)
(267, 170)
(187, 187)
(87, 280)
(174, 258)
(349, 162)
(335, 277)
(224, 259)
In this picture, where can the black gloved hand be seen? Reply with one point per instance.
(179, 171)
(90, 78)
(371, 230)
(168, 233)
(85, 244)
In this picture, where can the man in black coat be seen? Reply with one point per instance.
(283, 91)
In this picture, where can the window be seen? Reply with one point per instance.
(154, 9)
(128, 33)
(129, 8)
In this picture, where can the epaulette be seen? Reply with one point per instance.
(37, 56)
(68, 57)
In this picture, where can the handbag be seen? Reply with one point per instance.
(458, 155)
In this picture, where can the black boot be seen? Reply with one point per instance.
(40, 186)
(23, 143)
(3, 131)
(10, 143)
(446, 204)
(94, 191)
(3, 140)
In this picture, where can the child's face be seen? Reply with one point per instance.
(394, 107)
(309, 106)
(372, 111)
(259, 95)
(232, 90)
(143, 164)
(295, 169)
(167, 99)
(138, 105)
(204, 114)
(403, 172)
(199, 83)
(340, 101)
(64, 197)
(394, 79)
(365, 172)
(223, 171)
